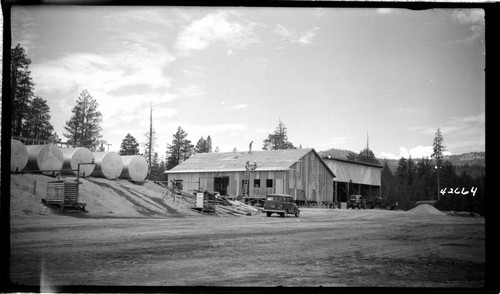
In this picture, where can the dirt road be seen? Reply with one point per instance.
(345, 248)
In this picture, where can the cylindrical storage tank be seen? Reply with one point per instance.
(18, 156)
(47, 158)
(107, 165)
(135, 168)
(74, 156)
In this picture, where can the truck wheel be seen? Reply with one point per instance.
(284, 214)
(269, 214)
(388, 207)
(297, 213)
(369, 206)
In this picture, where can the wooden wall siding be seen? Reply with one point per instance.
(205, 181)
(307, 178)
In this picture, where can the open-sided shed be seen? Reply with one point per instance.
(300, 173)
(353, 177)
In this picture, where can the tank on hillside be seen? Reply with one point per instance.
(107, 165)
(74, 156)
(135, 168)
(46, 158)
(18, 156)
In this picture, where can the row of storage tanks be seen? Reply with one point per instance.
(48, 158)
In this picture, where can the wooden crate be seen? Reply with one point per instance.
(55, 192)
(70, 192)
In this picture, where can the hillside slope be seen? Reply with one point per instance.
(103, 198)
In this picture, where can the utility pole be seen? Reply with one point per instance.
(150, 137)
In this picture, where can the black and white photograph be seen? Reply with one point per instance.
(244, 147)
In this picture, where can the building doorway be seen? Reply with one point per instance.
(220, 185)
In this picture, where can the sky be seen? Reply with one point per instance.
(335, 77)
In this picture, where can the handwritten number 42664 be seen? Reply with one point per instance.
(459, 191)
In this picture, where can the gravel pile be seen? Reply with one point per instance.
(426, 209)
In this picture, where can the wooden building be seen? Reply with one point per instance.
(300, 173)
(353, 177)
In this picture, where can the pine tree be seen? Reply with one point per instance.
(278, 140)
(83, 128)
(208, 144)
(352, 156)
(411, 170)
(203, 146)
(180, 149)
(37, 125)
(438, 148)
(150, 144)
(424, 172)
(155, 173)
(388, 184)
(22, 86)
(402, 171)
(129, 145)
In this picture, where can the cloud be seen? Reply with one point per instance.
(214, 28)
(295, 37)
(24, 29)
(104, 73)
(468, 16)
(237, 106)
(474, 18)
(140, 15)
(123, 83)
(460, 134)
(192, 91)
(415, 153)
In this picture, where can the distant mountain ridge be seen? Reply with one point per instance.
(459, 161)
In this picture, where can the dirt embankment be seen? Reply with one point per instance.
(135, 235)
(102, 197)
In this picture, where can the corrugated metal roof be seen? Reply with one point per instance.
(236, 161)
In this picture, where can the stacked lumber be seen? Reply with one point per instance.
(223, 206)
(233, 207)
(242, 206)
(230, 210)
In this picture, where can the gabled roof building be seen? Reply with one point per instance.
(301, 173)
(354, 177)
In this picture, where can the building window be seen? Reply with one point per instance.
(269, 183)
(256, 183)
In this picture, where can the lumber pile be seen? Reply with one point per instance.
(233, 207)
(223, 206)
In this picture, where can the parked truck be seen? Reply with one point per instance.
(356, 201)
(379, 202)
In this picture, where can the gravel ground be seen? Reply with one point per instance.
(149, 240)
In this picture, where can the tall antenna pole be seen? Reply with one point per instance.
(367, 140)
